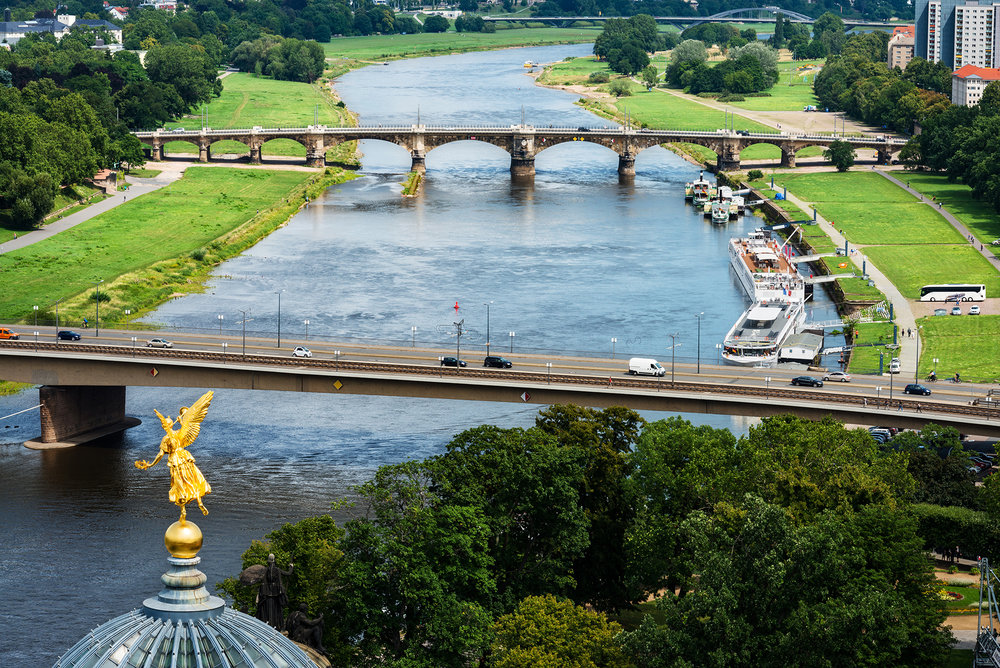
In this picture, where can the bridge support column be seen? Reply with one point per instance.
(203, 150)
(76, 414)
(884, 157)
(787, 156)
(626, 164)
(522, 167)
(418, 162)
(316, 159)
(729, 158)
(156, 153)
(255, 153)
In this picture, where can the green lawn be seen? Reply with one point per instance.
(573, 71)
(975, 214)
(966, 344)
(247, 101)
(205, 204)
(144, 173)
(379, 47)
(793, 91)
(868, 209)
(909, 267)
(864, 357)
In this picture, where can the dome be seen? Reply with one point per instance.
(184, 627)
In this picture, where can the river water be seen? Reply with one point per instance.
(568, 263)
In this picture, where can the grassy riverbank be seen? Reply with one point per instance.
(384, 47)
(156, 246)
(247, 101)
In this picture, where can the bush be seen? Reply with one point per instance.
(755, 175)
(620, 88)
(974, 570)
(599, 77)
(953, 569)
(709, 95)
(731, 97)
(198, 254)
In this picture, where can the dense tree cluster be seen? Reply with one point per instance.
(750, 68)
(60, 119)
(473, 23)
(859, 81)
(626, 43)
(782, 547)
(284, 59)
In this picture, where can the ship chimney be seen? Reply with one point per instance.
(6, 14)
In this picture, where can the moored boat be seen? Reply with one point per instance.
(757, 335)
(701, 190)
(720, 211)
(764, 270)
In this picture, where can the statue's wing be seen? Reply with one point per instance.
(191, 419)
(253, 575)
(166, 422)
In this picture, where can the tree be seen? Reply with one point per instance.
(628, 60)
(649, 76)
(26, 198)
(620, 88)
(828, 22)
(689, 51)
(545, 631)
(187, 68)
(436, 24)
(841, 154)
(765, 56)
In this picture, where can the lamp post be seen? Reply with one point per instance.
(767, 385)
(244, 321)
(935, 360)
(97, 306)
(487, 305)
(673, 350)
(221, 318)
(548, 372)
(916, 372)
(306, 322)
(128, 312)
(458, 344)
(278, 292)
(36, 342)
(224, 346)
(57, 318)
(614, 340)
(512, 343)
(413, 336)
(698, 351)
(718, 353)
(893, 347)
(133, 346)
(35, 309)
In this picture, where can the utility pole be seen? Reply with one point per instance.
(458, 343)
(244, 321)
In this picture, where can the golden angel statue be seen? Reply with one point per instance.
(186, 482)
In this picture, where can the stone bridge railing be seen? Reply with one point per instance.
(522, 142)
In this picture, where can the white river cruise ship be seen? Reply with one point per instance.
(764, 270)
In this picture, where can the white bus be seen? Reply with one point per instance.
(953, 292)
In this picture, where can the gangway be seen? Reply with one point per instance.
(811, 258)
(987, 648)
(827, 278)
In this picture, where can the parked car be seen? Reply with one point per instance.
(956, 310)
(916, 388)
(807, 381)
(159, 343)
(496, 362)
(68, 335)
(6, 334)
(452, 361)
(894, 365)
(940, 311)
(974, 309)
(841, 376)
(880, 434)
(301, 351)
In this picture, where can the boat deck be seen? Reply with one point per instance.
(763, 257)
(762, 324)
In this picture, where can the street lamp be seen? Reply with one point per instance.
(97, 306)
(224, 346)
(698, 316)
(614, 340)
(458, 344)
(673, 349)
(244, 321)
(36, 342)
(278, 292)
(511, 343)
(767, 385)
(413, 336)
(548, 372)
(718, 353)
(57, 317)
(221, 318)
(306, 322)
(916, 372)
(487, 305)
(893, 347)
(133, 346)
(35, 309)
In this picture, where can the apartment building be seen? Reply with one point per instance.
(901, 46)
(968, 83)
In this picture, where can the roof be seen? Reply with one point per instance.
(984, 73)
(764, 313)
(99, 23)
(34, 25)
(904, 30)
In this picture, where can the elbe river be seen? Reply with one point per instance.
(568, 263)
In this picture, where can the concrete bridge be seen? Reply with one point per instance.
(522, 142)
(83, 386)
(742, 15)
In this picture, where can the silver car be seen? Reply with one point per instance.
(159, 343)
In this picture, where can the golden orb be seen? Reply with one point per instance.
(183, 539)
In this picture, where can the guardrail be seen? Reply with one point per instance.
(127, 353)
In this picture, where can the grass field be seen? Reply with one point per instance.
(207, 203)
(793, 91)
(975, 214)
(381, 47)
(910, 267)
(966, 344)
(247, 101)
(865, 357)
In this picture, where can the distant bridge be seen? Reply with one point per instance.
(83, 384)
(523, 142)
(743, 15)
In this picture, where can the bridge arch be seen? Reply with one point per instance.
(752, 12)
(233, 146)
(181, 146)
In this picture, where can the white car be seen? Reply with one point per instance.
(974, 309)
(840, 376)
(159, 343)
(894, 365)
(301, 351)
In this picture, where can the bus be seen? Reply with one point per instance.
(953, 292)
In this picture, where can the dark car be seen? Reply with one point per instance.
(807, 381)
(916, 388)
(452, 361)
(68, 335)
(497, 362)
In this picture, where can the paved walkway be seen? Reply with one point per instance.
(957, 224)
(901, 305)
(137, 187)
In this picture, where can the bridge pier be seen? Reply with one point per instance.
(626, 164)
(787, 156)
(156, 153)
(316, 159)
(884, 157)
(418, 162)
(203, 151)
(523, 167)
(255, 154)
(75, 414)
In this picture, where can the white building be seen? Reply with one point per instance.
(968, 82)
(975, 34)
(901, 47)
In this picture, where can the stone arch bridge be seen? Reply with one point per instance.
(522, 142)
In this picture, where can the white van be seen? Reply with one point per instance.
(644, 366)
(894, 365)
